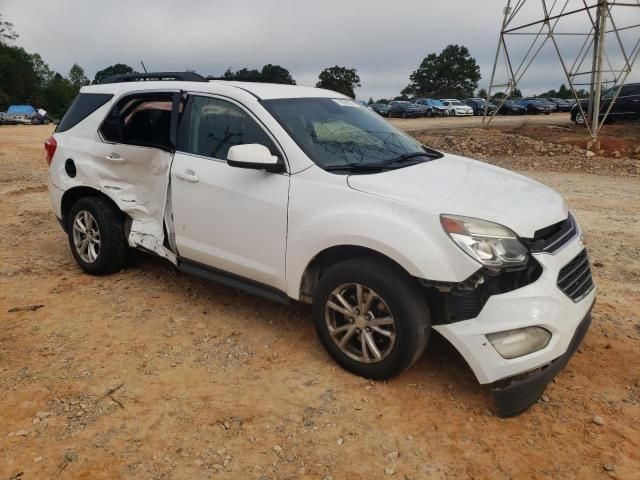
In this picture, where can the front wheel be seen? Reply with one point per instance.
(579, 119)
(371, 317)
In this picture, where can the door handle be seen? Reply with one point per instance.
(114, 157)
(188, 175)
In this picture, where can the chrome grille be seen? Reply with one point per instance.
(575, 279)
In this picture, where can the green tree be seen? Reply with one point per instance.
(370, 102)
(77, 76)
(117, 69)
(243, 75)
(516, 93)
(452, 73)
(482, 93)
(41, 69)
(7, 32)
(18, 81)
(276, 74)
(339, 79)
(58, 94)
(564, 92)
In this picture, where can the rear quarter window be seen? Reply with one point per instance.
(83, 106)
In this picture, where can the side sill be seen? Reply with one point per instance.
(232, 280)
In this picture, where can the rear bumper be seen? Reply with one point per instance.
(514, 396)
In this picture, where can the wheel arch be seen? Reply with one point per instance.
(323, 260)
(71, 196)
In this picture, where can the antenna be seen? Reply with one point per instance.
(143, 67)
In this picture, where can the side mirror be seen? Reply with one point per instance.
(254, 156)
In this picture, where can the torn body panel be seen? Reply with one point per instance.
(135, 178)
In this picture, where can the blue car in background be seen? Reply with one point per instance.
(23, 114)
(435, 108)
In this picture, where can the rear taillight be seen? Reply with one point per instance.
(50, 149)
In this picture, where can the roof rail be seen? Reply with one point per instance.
(155, 77)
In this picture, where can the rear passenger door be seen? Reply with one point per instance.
(134, 160)
(228, 218)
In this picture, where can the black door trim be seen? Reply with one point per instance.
(235, 281)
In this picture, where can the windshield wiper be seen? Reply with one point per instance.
(357, 166)
(409, 156)
(386, 165)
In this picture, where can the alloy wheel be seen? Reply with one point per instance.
(360, 323)
(86, 236)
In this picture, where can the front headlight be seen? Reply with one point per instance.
(489, 243)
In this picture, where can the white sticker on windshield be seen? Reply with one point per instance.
(346, 103)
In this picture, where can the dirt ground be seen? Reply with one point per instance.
(153, 374)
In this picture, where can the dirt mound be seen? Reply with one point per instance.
(520, 152)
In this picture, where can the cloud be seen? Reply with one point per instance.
(384, 40)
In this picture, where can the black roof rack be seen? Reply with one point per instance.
(155, 77)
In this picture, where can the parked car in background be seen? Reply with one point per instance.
(403, 109)
(479, 105)
(456, 107)
(3, 118)
(380, 109)
(23, 115)
(561, 104)
(435, 108)
(534, 106)
(626, 106)
(424, 110)
(546, 102)
(511, 107)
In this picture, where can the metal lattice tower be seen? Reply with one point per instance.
(605, 53)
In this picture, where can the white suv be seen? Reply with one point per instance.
(297, 193)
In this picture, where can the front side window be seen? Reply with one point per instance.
(217, 125)
(340, 134)
(141, 119)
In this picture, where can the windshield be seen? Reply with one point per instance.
(457, 102)
(436, 103)
(337, 133)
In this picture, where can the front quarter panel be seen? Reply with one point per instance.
(325, 212)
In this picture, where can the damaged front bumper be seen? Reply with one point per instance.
(516, 383)
(514, 396)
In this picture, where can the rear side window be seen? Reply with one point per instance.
(141, 119)
(217, 125)
(83, 106)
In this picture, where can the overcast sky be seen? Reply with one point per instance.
(385, 40)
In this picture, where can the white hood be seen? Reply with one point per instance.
(460, 186)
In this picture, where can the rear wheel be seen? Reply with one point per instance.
(371, 317)
(96, 236)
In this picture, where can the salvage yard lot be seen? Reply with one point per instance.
(150, 373)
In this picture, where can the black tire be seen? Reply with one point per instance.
(405, 300)
(112, 254)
